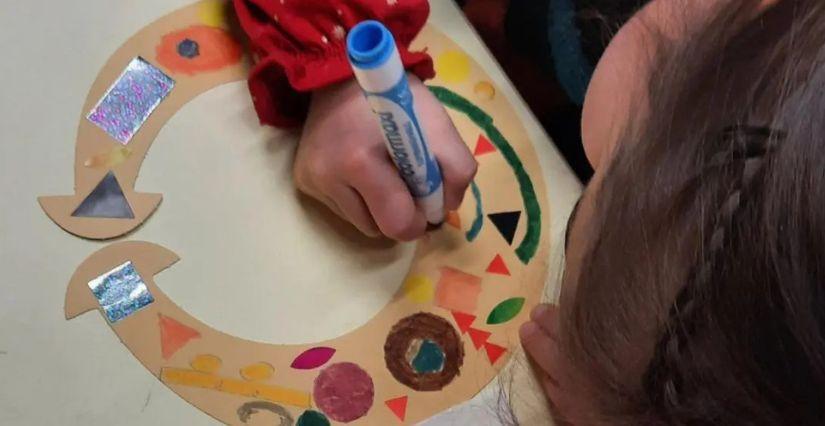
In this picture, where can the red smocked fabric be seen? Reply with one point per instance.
(300, 45)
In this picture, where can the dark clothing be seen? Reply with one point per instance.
(549, 48)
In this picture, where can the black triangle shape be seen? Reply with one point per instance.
(506, 223)
(106, 200)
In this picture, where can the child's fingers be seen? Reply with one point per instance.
(331, 204)
(389, 201)
(544, 354)
(354, 209)
(540, 347)
(558, 399)
(567, 405)
(325, 200)
(547, 317)
(560, 402)
(458, 167)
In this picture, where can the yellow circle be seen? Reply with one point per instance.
(419, 289)
(257, 371)
(208, 364)
(213, 13)
(484, 90)
(452, 66)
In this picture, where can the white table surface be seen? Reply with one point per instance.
(54, 371)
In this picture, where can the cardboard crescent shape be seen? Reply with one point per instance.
(214, 371)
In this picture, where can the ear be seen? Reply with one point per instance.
(617, 89)
(149, 259)
(618, 92)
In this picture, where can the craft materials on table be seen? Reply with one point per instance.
(447, 332)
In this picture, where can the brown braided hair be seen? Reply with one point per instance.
(745, 156)
(701, 299)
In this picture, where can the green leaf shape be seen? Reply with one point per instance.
(505, 311)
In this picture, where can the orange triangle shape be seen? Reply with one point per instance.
(483, 146)
(464, 321)
(497, 266)
(479, 337)
(174, 335)
(453, 219)
(494, 352)
(398, 406)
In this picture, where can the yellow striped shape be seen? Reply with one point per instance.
(183, 377)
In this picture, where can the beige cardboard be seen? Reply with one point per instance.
(91, 140)
(363, 346)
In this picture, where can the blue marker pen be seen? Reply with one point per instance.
(378, 69)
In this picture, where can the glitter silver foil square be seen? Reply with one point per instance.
(121, 292)
(131, 99)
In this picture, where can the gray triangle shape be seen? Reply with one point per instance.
(106, 200)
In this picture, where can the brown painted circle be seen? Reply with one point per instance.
(423, 326)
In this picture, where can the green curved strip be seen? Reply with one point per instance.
(527, 249)
(478, 222)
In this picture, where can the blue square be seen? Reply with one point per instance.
(121, 292)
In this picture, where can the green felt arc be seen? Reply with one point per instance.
(530, 244)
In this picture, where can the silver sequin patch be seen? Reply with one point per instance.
(121, 292)
(131, 99)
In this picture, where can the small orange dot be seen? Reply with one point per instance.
(258, 371)
(204, 363)
(484, 90)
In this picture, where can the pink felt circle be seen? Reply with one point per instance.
(344, 392)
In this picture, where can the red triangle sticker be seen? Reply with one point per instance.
(497, 266)
(398, 406)
(479, 337)
(483, 146)
(464, 321)
(494, 352)
(173, 336)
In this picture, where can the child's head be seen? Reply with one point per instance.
(695, 283)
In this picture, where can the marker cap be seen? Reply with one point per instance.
(370, 45)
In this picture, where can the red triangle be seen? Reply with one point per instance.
(479, 337)
(497, 266)
(464, 321)
(483, 146)
(398, 406)
(494, 352)
(174, 335)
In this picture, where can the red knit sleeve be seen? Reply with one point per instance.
(300, 45)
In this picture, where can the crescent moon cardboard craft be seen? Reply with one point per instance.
(448, 331)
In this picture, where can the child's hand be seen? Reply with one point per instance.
(540, 338)
(343, 162)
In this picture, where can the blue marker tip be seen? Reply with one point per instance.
(369, 45)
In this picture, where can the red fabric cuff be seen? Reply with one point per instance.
(300, 47)
(281, 94)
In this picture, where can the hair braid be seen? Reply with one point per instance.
(743, 155)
